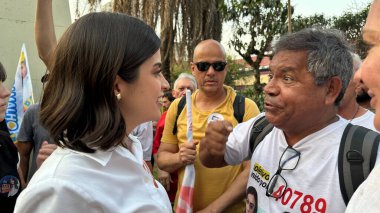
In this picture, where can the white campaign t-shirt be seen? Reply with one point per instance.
(365, 120)
(105, 181)
(313, 186)
(144, 133)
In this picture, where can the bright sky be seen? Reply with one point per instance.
(327, 7)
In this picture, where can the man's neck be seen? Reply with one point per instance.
(207, 101)
(294, 135)
(351, 111)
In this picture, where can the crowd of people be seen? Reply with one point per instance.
(111, 136)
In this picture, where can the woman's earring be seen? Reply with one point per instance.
(118, 96)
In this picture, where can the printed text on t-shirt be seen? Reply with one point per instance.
(259, 173)
(307, 202)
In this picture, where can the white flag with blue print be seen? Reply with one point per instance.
(21, 97)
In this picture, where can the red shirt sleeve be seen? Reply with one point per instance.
(159, 131)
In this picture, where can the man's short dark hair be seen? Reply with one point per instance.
(3, 74)
(169, 96)
(251, 190)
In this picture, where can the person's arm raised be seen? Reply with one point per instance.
(213, 145)
(44, 31)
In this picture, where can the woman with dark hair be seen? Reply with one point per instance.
(105, 79)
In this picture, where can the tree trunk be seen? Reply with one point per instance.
(194, 20)
(167, 36)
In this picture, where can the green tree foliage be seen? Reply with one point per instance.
(234, 72)
(257, 97)
(177, 69)
(255, 24)
(300, 22)
(351, 23)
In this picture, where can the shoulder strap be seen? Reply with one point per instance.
(259, 130)
(239, 107)
(181, 105)
(356, 158)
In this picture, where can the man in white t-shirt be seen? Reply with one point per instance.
(349, 108)
(144, 133)
(295, 167)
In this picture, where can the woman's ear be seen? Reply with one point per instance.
(333, 89)
(117, 85)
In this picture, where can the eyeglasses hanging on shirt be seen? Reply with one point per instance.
(288, 161)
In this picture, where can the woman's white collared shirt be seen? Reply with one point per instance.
(104, 181)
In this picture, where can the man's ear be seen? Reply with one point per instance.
(334, 86)
(192, 67)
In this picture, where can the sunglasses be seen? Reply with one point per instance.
(204, 66)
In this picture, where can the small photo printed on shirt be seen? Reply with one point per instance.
(10, 185)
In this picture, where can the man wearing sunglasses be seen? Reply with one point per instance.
(215, 190)
(295, 167)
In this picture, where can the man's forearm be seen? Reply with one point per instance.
(235, 193)
(209, 160)
(22, 180)
(24, 149)
(169, 162)
(24, 167)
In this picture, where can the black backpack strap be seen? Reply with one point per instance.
(259, 130)
(356, 158)
(239, 107)
(181, 105)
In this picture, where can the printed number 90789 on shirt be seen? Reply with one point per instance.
(308, 202)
